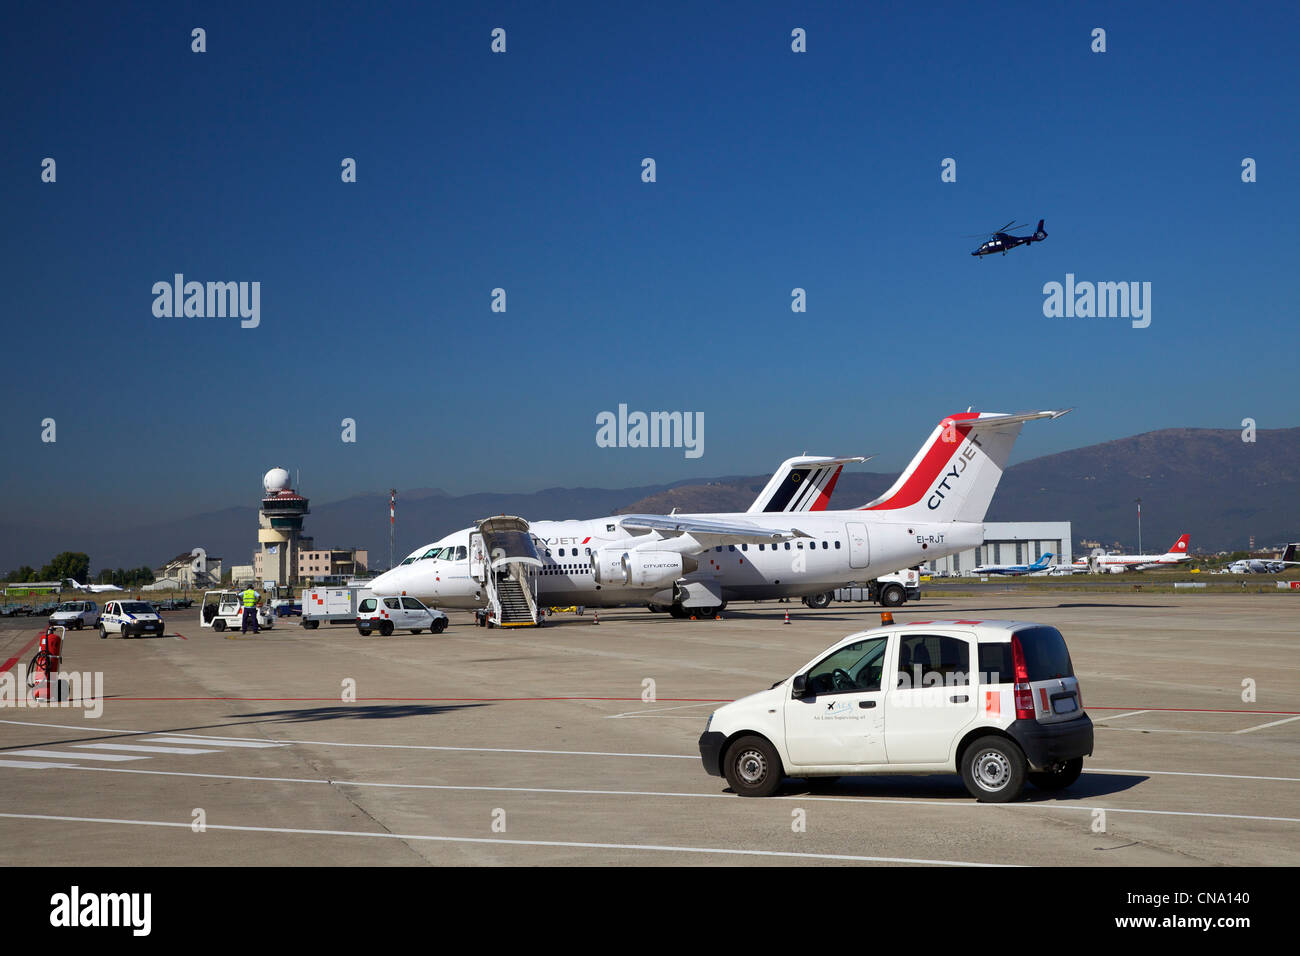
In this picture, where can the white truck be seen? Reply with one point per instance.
(332, 605)
(888, 590)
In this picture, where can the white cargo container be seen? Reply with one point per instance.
(332, 605)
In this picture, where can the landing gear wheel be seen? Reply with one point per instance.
(438, 626)
(386, 628)
(219, 624)
(893, 595)
(818, 601)
(993, 769)
(752, 767)
(677, 611)
(1057, 779)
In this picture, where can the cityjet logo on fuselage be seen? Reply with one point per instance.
(211, 300)
(1103, 300)
(653, 430)
(964, 458)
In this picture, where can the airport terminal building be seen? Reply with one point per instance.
(1011, 542)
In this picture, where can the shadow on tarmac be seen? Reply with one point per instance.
(950, 787)
(353, 712)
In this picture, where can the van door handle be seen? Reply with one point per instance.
(959, 699)
(866, 704)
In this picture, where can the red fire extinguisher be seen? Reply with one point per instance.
(44, 669)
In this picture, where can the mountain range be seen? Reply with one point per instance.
(1206, 482)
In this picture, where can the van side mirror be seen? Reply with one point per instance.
(800, 686)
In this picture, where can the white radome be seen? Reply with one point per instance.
(275, 481)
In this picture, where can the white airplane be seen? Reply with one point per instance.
(1266, 565)
(1015, 570)
(1118, 563)
(701, 561)
(93, 588)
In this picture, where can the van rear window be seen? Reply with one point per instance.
(1046, 656)
(996, 666)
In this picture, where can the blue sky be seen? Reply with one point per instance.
(775, 170)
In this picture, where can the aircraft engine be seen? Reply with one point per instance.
(639, 569)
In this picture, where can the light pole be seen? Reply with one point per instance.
(1139, 504)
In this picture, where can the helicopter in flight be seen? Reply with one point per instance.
(999, 241)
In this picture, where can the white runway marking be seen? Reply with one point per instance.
(649, 847)
(948, 804)
(1131, 713)
(659, 711)
(64, 755)
(1189, 773)
(143, 748)
(33, 765)
(224, 741)
(1275, 723)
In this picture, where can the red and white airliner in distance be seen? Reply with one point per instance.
(1117, 563)
(784, 546)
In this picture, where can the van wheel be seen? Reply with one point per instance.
(993, 770)
(439, 626)
(1057, 779)
(219, 624)
(386, 628)
(80, 624)
(753, 768)
(103, 633)
(893, 595)
(311, 625)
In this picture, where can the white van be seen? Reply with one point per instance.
(129, 619)
(996, 701)
(387, 614)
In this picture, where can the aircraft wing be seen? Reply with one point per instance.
(709, 532)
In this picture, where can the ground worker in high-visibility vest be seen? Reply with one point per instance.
(249, 598)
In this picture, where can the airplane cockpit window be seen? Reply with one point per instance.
(431, 553)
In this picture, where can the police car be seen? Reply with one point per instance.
(388, 614)
(75, 615)
(129, 619)
(995, 701)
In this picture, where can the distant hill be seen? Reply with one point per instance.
(1206, 482)
(1202, 481)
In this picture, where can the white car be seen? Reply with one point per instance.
(129, 619)
(74, 615)
(996, 701)
(389, 614)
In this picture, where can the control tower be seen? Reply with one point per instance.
(279, 533)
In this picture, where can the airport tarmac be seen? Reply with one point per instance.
(536, 747)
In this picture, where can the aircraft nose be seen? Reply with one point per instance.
(386, 584)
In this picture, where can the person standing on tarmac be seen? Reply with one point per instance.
(249, 598)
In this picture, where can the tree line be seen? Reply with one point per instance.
(76, 564)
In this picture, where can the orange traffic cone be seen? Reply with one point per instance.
(595, 617)
(787, 617)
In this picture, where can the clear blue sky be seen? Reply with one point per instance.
(775, 170)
